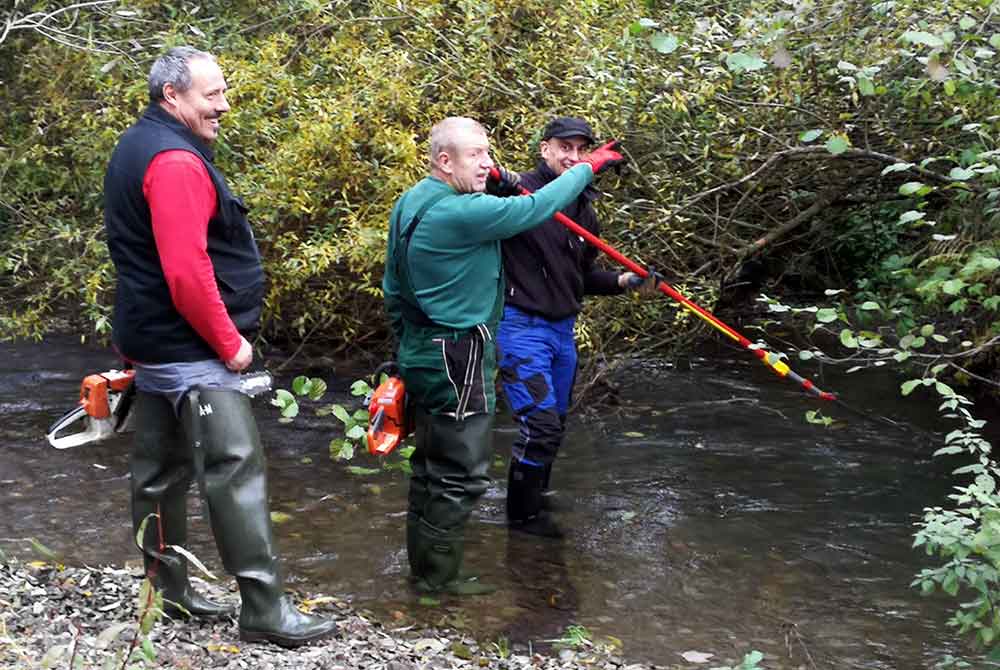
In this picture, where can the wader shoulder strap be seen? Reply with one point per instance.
(409, 305)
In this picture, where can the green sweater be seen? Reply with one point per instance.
(454, 259)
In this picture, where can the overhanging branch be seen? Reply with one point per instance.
(822, 152)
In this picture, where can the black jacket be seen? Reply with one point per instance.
(147, 328)
(548, 269)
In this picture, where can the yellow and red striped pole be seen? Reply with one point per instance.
(771, 360)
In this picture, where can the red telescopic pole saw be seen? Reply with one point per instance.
(771, 360)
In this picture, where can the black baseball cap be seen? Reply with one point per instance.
(568, 126)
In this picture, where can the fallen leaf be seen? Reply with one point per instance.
(461, 651)
(307, 606)
(108, 635)
(192, 559)
(427, 644)
(696, 656)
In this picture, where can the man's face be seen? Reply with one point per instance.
(200, 107)
(562, 153)
(468, 163)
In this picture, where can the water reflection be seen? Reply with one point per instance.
(703, 514)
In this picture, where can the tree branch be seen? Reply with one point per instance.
(37, 21)
(822, 152)
(822, 202)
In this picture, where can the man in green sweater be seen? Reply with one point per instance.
(443, 289)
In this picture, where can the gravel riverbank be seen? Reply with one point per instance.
(55, 616)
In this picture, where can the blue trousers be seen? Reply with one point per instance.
(537, 370)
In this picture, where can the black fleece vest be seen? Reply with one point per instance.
(147, 328)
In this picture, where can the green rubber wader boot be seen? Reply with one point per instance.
(229, 462)
(450, 474)
(440, 559)
(162, 470)
(412, 524)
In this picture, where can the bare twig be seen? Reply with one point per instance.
(822, 152)
(728, 401)
(37, 20)
(42, 23)
(821, 203)
(794, 629)
(337, 24)
(984, 380)
(76, 645)
(734, 101)
(48, 16)
(302, 344)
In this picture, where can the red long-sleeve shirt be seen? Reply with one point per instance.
(182, 200)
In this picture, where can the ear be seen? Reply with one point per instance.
(444, 163)
(543, 148)
(170, 94)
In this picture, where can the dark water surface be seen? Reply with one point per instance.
(702, 514)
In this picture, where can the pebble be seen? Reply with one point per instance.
(47, 616)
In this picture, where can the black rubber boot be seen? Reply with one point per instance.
(229, 462)
(525, 511)
(550, 502)
(439, 561)
(162, 470)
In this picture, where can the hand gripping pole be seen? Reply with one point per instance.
(769, 359)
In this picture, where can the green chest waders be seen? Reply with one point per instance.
(231, 471)
(453, 448)
(162, 470)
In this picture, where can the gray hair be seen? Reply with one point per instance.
(172, 68)
(443, 134)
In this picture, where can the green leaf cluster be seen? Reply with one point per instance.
(332, 103)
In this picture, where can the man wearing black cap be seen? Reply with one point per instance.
(548, 271)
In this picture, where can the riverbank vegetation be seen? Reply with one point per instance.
(838, 158)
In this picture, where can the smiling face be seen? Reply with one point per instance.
(466, 163)
(562, 153)
(202, 105)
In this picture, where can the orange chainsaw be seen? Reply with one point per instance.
(105, 401)
(388, 421)
(105, 407)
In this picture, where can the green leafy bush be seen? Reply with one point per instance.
(757, 129)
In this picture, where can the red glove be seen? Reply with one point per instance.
(603, 157)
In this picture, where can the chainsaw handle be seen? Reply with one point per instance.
(390, 368)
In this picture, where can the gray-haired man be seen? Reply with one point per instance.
(190, 285)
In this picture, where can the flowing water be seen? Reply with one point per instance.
(703, 513)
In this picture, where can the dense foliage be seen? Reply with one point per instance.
(774, 146)
(821, 140)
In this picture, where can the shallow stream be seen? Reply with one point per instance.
(703, 513)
